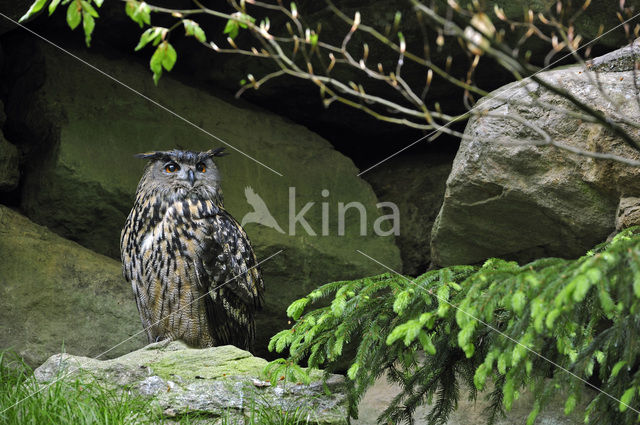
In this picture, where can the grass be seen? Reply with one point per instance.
(64, 402)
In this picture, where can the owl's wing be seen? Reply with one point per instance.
(229, 272)
(231, 261)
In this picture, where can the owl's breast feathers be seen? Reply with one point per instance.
(197, 246)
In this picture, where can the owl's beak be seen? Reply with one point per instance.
(191, 176)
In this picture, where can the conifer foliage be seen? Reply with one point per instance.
(556, 327)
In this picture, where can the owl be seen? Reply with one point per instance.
(191, 266)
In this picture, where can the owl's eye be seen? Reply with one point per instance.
(201, 167)
(171, 167)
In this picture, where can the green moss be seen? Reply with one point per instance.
(225, 361)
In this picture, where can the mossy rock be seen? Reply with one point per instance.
(215, 382)
(56, 294)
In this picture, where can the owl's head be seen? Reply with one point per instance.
(179, 173)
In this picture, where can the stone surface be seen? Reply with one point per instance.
(9, 173)
(55, 294)
(416, 184)
(628, 213)
(509, 198)
(378, 397)
(211, 381)
(13, 9)
(83, 130)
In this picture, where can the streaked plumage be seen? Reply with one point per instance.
(181, 251)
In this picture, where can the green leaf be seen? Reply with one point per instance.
(412, 332)
(88, 24)
(508, 391)
(519, 352)
(636, 284)
(52, 6)
(274, 339)
(297, 307)
(480, 377)
(73, 15)
(86, 6)
(518, 301)
(231, 28)
(35, 8)
(469, 349)
(139, 12)
(98, 2)
(336, 351)
(531, 419)
(170, 57)
(427, 344)
(606, 302)
(570, 404)
(455, 286)
(502, 363)
(582, 286)
(164, 57)
(338, 305)
(282, 343)
(193, 29)
(443, 298)
(401, 302)
(465, 334)
(396, 19)
(149, 35)
(626, 398)
(353, 370)
(313, 39)
(588, 370)
(156, 60)
(617, 368)
(551, 317)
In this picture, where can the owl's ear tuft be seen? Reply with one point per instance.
(217, 152)
(151, 155)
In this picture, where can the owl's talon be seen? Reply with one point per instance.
(161, 344)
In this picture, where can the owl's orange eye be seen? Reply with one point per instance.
(200, 167)
(171, 167)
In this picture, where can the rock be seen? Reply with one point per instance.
(628, 213)
(9, 173)
(55, 294)
(507, 197)
(210, 381)
(468, 412)
(416, 184)
(14, 9)
(84, 129)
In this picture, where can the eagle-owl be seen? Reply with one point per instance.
(190, 264)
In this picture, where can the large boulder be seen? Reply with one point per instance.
(416, 184)
(55, 294)
(215, 382)
(470, 411)
(82, 130)
(9, 174)
(508, 197)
